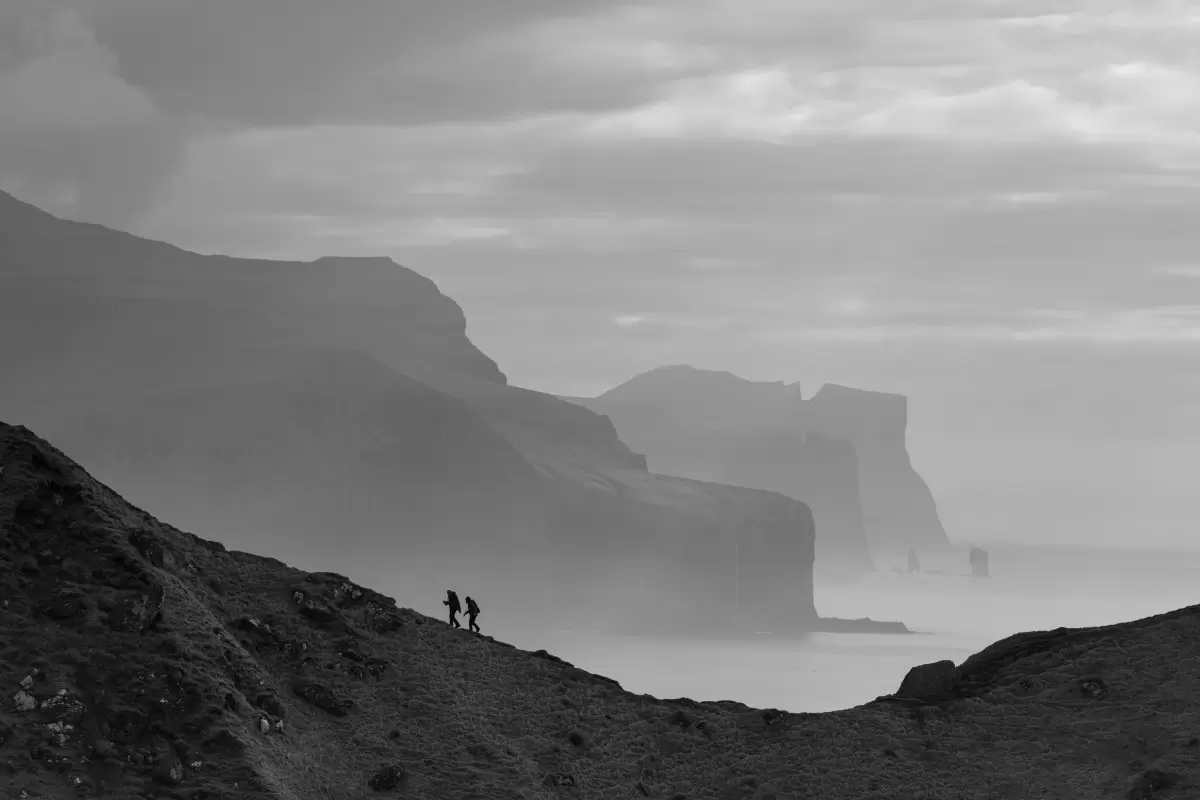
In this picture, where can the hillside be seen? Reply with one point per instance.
(336, 411)
(842, 452)
(141, 661)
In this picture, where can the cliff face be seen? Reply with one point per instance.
(715, 426)
(137, 660)
(336, 411)
(842, 452)
(899, 511)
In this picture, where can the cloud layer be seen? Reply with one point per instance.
(853, 190)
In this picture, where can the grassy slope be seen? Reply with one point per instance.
(165, 696)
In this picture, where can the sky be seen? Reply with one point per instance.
(988, 207)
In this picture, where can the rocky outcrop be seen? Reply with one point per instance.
(979, 562)
(898, 508)
(338, 409)
(929, 682)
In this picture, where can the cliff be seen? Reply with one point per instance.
(715, 426)
(137, 660)
(898, 508)
(336, 411)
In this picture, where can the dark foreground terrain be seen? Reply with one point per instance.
(140, 661)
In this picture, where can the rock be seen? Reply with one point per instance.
(270, 704)
(264, 727)
(386, 778)
(979, 562)
(317, 610)
(61, 731)
(169, 773)
(562, 779)
(138, 613)
(24, 701)
(930, 682)
(63, 707)
(64, 606)
(322, 698)
(1093, 687)
(27, 682)
(1151, 781)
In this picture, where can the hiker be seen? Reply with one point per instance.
(472, 613)
(452, 601)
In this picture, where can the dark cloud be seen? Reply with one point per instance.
(297, 62)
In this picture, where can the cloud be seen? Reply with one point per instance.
(74, 135)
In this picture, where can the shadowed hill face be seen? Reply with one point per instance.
(138, 660)
(336, 411)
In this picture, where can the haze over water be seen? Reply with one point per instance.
(1033, 587)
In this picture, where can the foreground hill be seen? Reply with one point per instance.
(336, 412)
(842, 452)
(141, 661)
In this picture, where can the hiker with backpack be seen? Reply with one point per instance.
(472, 613)
(452, 601)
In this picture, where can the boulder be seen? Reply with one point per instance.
(930, 682)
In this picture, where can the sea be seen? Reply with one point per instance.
(1031, 587)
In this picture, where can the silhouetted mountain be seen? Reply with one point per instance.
(137, 660)
(715, 426)
(336, 411)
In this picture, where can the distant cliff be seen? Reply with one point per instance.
(843, 453)
(336, 410)
(899, 511)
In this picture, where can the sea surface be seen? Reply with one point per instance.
(1033, 587)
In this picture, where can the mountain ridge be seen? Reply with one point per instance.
(338, 408)
(139, 660)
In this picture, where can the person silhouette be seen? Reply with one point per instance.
(452, 601)
(472, 613)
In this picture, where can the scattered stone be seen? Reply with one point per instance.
(562, 779)
(169, 773)
(27, 682)
(1093, 687)
(24, 701)
(63, 707)
(317, 610)
(386, 778)
(264, 727)
(929, 682)
(138, 613)
(61, 731)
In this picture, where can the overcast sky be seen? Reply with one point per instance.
(992, 207)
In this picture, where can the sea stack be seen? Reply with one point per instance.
(979, 562)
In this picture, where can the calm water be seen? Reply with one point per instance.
(1031, 588)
